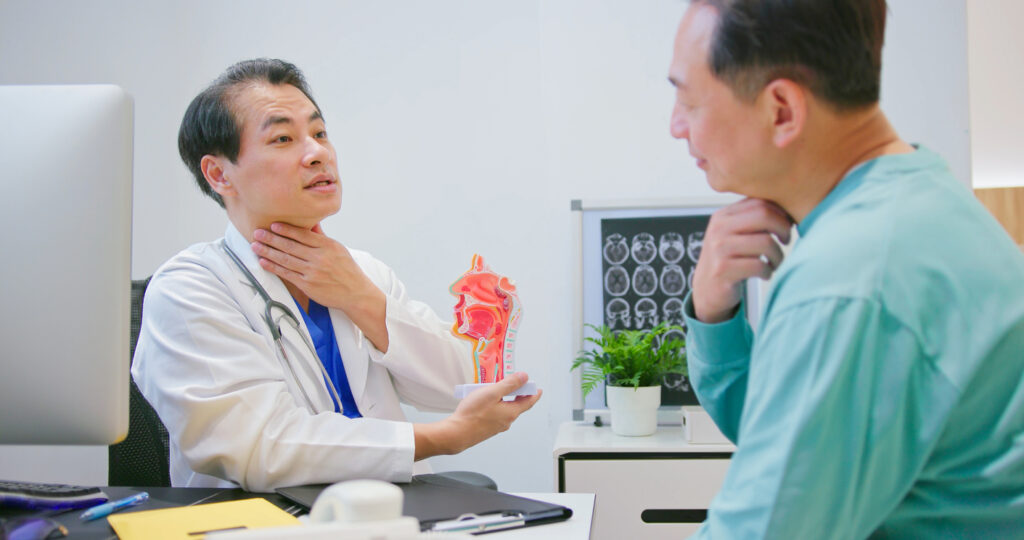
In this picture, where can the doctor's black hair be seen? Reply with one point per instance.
(211, 126)
(832, 47)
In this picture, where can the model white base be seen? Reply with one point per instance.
(463, 390)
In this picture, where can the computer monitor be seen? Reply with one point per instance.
(65, 241)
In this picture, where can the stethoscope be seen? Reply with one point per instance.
(275, 330)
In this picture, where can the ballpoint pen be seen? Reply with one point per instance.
(106, 509)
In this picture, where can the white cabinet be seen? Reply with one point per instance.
(645, 487)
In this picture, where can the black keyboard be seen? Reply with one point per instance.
(38, 496)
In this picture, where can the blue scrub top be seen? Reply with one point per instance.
(318, 320)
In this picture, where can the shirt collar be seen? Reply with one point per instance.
(881, 165)
(312, 322)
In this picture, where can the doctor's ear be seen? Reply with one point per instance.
(213, 168)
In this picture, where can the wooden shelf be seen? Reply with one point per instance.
(1007, 205)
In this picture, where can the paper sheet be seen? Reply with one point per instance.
(190, 522)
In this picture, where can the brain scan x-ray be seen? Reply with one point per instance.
(693, 245)
(673, 280)
(672, 311)
(615, 249)
(644, 250)
(677, 382)
(617, 314)
(616, 281)
(646, 313)
(670, 247)
(645, 280)
(673, 335)
(647, 267)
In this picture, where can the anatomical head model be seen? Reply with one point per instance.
(487, 314)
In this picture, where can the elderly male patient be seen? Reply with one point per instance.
(883, 394)
(316, 401)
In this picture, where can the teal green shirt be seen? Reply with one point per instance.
(882, 395)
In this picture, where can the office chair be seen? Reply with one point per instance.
(143, 457)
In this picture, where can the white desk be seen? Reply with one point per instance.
(576, 527)
(646, 487)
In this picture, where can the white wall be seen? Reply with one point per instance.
(996, 80)
(462, 126)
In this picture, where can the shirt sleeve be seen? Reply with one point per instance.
(718, 358)
(424, 359)
(842, 408)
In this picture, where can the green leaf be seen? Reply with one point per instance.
(629, 357)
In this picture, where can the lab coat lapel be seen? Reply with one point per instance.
(352, 346)
(294, 344)
(241, 247)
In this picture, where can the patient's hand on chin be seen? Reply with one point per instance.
(741, 242)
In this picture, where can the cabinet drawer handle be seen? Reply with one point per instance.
(673, 515)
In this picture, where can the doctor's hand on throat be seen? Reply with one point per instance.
(480, 416)
(324, 270)
(740, 243)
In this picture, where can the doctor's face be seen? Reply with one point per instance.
(286, 168)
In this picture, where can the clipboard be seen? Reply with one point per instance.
(446, 505)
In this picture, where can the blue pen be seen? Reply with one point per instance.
(106, 509)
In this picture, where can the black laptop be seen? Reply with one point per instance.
(445, 504)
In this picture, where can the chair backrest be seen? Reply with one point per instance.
(143, 457)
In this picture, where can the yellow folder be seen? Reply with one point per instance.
(193, 522)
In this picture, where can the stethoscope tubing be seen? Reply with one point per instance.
(275, 331)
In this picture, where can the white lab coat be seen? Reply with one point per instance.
(207, 363)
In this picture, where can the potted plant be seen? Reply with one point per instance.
(632, 366)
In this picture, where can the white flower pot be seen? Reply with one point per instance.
(634, 410)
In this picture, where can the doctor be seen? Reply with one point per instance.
(318, 402)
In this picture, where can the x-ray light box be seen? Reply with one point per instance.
(635, 262)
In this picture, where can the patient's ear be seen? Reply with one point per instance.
(786, 104)
(213, 168)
